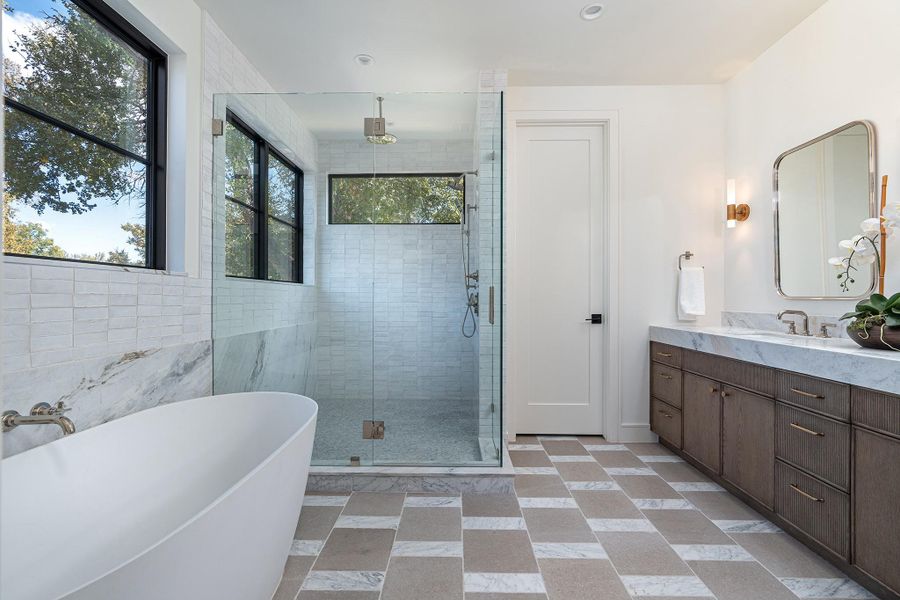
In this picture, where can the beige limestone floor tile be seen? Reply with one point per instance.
(316, 595)
(557, 525)
(677, 472)
(606, 505)
(295, 569)
(582, 580)
(649, 449)
(529, 458)
(356, 550)
(480, 596)
(374, 504)
(592, 440)
(419, 578)
(686, 527)
(786, 557)
(541, 486)
(642, 554)
(482, 505)
(498, 552)
(579, 471)
(564, 447)
(527, 439)
(645, 486)
(316, 522)
(430, 524)
(722, 506)
(730, 580)
(617, 459)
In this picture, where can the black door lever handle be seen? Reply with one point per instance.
(596, 319)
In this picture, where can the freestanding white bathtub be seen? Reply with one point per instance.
(189, 501)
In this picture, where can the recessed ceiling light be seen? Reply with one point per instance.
(364, 60)
(591, 11)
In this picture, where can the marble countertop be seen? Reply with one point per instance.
(837, 359)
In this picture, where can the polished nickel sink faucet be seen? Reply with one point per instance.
(41, 414)
(792, 325)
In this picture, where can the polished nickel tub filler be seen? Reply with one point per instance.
(197, 499)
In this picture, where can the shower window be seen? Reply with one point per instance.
(85, 97)
(264, 204)
(396, 199)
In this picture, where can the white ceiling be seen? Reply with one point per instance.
(309, 45)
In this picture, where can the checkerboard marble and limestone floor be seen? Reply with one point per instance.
(590, 520)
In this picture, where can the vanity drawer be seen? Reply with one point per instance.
(739, 373)
(820, 395)
(815, 444)
(665, 422)
(663, 353)
(665, 383)
(876, 410)
(817, 509)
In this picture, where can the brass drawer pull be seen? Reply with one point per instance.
(665, 414)
(664, 376)
(807, 394)
(805, 495)
(799, 427)
(713, 390)
(664, 354)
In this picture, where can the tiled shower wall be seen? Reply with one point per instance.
(401, 285)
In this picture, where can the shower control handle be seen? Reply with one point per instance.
(596, 319)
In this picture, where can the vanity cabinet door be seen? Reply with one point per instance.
(876, 510)
(702, 417)
(748, 443)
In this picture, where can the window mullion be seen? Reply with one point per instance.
(262, 183)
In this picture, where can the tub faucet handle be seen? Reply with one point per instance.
(61, 408)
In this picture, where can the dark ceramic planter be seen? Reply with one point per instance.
(876, 337)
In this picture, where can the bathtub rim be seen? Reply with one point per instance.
(217, 500)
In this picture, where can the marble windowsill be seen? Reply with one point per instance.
(837, 359)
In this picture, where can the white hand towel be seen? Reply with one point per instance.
(691, 294)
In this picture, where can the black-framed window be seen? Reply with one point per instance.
(263, 208)
(85, 111)
(396, 199)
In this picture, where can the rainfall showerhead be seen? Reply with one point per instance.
(374, 128)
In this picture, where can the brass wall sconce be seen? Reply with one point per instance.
(734, 212)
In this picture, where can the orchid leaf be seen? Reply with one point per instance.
(892, 320)
(893, 302)
(852, 315)
(879, 302)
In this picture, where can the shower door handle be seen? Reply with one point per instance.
(596, 319)
(491, 305)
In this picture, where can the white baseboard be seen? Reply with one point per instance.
(636, 432)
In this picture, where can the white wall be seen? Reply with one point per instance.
(841, 64)
(671, 200)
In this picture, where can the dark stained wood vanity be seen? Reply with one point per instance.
(819, 458)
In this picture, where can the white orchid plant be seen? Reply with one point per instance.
(861, 252)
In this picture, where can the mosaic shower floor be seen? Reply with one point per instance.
(590, 520)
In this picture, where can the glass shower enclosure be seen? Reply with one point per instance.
(357, 260)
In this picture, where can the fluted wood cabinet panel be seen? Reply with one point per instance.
(736, 372)
(670, 355)
(876, 506)
(876, 410)
(748, 443)
(665, 422)
(665, 383)
(814, 443)
(702, 420)
(817, 509)
(820, 395)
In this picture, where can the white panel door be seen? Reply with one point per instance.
(558, 278)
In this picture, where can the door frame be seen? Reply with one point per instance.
(609, 122)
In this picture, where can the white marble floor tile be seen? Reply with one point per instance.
(494, 523)
(433, 501)
(621, 525)
(429, 549)
(584, 458)
(569, 550)
(325, 500)
(630, 471)
(662, 504)
(696, 486)
(844, 589)
(306, 547)
(344, 581)
(361, 522)
(744, 526)
(525, 447)
(722, 552)
(605, 448)
(651, 585)
(535, 471)
(661, 458)
(592, 486)
(504, 583)
(547, 503)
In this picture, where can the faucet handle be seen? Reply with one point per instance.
(61, 408)
(792, 326)
(823, 329)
